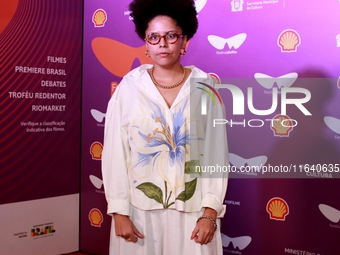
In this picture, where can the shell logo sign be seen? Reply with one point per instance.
(96, 150)
(277, 208)
(95, 217)
(282, 125)
(99, 18)
(289, 40)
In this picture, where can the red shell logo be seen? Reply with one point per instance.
(99, 18)
(96, 150)
(277, 208)
(281, 125)
(95, 217)
(289, 40)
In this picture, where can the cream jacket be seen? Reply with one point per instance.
(156, 157)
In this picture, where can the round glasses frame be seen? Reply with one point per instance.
(166, 38)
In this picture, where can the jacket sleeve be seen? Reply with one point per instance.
(215, 158)
(115, 156)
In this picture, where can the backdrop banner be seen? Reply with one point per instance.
(41, 59)
(280, 60)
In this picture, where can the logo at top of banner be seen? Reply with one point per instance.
(289, 40)
(282, 125)
(199, 4)
(283, 81)
(330, 213)
(233, 42)
(332, 123)
(99, 18)
(240, 242)
(277, 209)
(96, 217)
(237, 5)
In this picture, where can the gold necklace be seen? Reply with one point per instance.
(166, 87)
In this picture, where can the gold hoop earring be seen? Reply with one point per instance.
(183, 52)
(147, 53)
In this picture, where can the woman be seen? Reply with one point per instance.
(156, 138)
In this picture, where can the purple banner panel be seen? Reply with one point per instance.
(40, 99)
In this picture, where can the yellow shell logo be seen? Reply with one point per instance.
(281, 125)
(277, 208)
(96, 150)
(99, 18)
(289, 40)
(96, 217)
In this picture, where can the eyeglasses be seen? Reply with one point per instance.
(169, 37)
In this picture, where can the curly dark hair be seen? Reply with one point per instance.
(182, 11)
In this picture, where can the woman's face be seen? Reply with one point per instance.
(165, 54)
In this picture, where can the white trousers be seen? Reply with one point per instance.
(166, 232)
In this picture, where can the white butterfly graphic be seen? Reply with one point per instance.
(330, 213)
(268, 82)
(98, 183)
(200, 4)
(332, 123)
(238, 242)
(97, 115)
(239, 162)
(235, 41)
